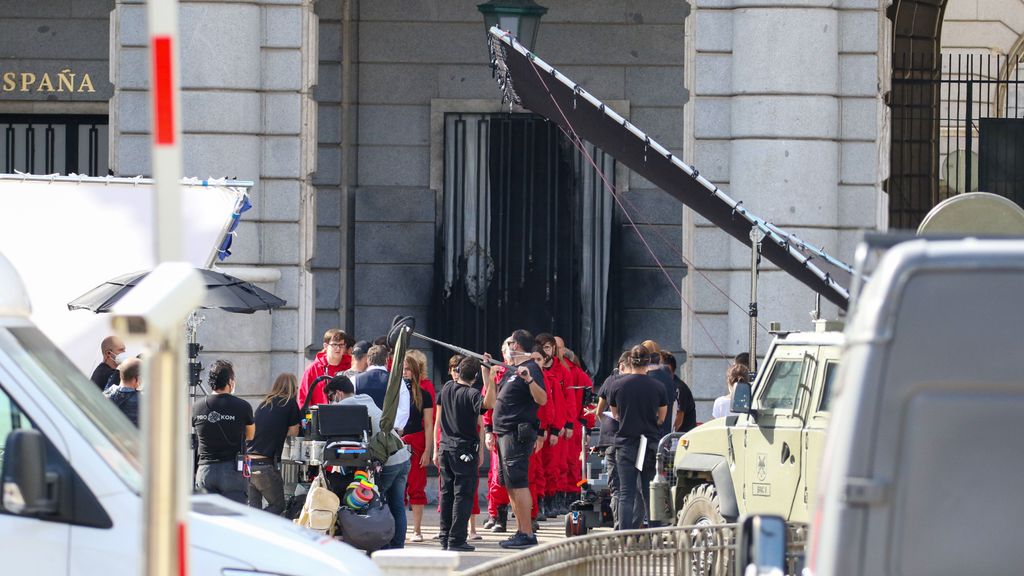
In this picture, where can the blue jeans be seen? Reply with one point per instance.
(633, 484)
(391, 483)
(222, 478)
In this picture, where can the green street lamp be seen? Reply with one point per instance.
(520, 17)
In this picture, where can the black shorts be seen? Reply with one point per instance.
(514, 452)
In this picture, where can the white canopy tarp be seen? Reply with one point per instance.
(66, 235)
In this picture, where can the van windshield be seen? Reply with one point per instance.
(104, 426)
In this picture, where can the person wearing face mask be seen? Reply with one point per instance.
(223, 424)
(111, 347)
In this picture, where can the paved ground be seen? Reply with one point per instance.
(486, 549)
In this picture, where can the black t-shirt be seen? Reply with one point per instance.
(684, 400)
(608, 425)
(415, 423)
(461, 406)
(220, 421)
(515, 404)
(272, 422)
(637, 398)
(101, 374)
(668, 383)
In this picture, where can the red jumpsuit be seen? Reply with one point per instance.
(579, 381)
(496, 493)
(553, 456)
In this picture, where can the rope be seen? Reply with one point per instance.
(578, 143)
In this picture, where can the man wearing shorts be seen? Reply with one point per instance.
(516, 427)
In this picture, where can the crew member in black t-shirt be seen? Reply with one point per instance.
(223, 424)
(640, 404)
(277, 417)
(686, 408)
(459, 407)
(608, 426)
(516, 426)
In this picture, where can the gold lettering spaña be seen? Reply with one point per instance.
(63, 81)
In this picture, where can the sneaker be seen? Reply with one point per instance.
(519, 541)
(416, 537)
(491, 521)
(498, 528)
(460, 547)
(475, 536)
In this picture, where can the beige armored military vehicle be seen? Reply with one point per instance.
(764, 457)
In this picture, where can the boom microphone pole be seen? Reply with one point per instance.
(408, 322)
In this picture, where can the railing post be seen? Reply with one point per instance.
(416, 562)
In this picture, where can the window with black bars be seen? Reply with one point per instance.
(54, 144)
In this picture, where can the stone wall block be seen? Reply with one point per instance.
(328, 248)
(394, 165)
(714, 75)
(282, 27)
(328, 88)
(133, 112)
(713, 118)
(665, 125)
(860, 118)
(245, 248)
(787, 181)
(394, 125)
(227, 331)
(411, 41)
(281, 200)
(650, 44)
(785, 51)
(858, 206)
(859, 74)
(281, 157)
(131, 66)
(660, 325)
(280, 243)
(394, 243)
(328, 206)
(328, 166)
(654, 86)
(706, 294)
(328, 122)
(287, 287)
(282, 113)
(712, 157)
(664, 241)
(395, 205)
(651, 206)
(220, 112)
(394, 285)
(252, 371)
(712, 248)
(858, 31)
(859, 163)
(284, 331)
(220, 46)
(328, 289)
(764, 116)
(387, 83)
(711, 337)
(221, 155)
(131, 28)
(282, 70)
(714, 31)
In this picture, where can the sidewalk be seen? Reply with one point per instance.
(487, 549)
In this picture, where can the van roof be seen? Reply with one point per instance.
(14, 299)
(815, 338)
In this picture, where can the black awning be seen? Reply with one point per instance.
(528, 81)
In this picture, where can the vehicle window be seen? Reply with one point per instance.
(101, 423)
(831, 369)
(11, 419)
(783, 383)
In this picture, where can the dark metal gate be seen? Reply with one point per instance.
(955, 129)
(525, 236)
(54, 144)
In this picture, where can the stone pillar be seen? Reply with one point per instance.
(247, 71)
(786, 108)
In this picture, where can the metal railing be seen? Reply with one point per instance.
(672, 551)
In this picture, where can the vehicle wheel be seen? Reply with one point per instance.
(701, 507)
(702, 511)
(575, 524)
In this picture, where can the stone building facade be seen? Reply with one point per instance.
(336, 110)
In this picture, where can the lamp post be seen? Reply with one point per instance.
(520, 17)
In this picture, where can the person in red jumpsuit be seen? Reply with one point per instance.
(497, 495)
(331, 361)
(552, 455)
(579, 383)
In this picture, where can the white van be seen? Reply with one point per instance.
(922, 467)
(72, 475)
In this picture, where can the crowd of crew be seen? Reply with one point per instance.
(528, 413)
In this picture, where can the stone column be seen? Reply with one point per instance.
(247, 70)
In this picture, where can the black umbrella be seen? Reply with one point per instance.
(223, 292)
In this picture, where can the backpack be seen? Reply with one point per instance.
(320, 510)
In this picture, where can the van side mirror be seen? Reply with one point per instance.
(762, 544)
(741, 398)
(25, 482)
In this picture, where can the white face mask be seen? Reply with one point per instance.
(121, 357)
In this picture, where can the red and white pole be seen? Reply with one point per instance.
(167, 472)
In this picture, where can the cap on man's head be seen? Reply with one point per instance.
(360, 349)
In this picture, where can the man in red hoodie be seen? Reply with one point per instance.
(332, 360)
